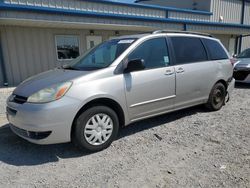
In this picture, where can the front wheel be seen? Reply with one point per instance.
(217, 97)
(96, 128)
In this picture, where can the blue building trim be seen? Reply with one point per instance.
(45, 10)
(152, 7)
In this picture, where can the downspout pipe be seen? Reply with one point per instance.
(240, 43)
(184, 27)
(236, 45)
(3, 68)
(243, 12)
(242, 22)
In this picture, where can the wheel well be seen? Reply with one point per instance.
(104, 102)
(223, 82)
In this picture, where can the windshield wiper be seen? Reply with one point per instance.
(80, 68)
(69, 68)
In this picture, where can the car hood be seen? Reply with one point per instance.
(46, 79)
(243, 61)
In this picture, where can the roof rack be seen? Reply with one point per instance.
(186, 32)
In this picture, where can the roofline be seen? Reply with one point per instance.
(4, 6)
(182, 32)
(152, 7)
(189, 35)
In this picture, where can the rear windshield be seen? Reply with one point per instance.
(102, 55)
(215, 50)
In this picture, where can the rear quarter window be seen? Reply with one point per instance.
(188, 50)
(215, 50)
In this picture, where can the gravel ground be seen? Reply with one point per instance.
(4, 94)
(188, 148)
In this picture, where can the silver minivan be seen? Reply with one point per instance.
(118, 82)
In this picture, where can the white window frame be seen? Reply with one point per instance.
(68, 35)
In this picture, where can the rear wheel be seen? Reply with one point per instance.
(217, 97)
(96, 128)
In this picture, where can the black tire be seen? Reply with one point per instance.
(217, 97)
(81, 122)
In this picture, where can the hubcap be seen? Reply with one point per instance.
(218, 96)
(98, 129)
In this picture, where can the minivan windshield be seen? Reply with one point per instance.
(102, 55)
(244, 54)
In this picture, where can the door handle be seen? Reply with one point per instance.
(169, 72)
(180, 70)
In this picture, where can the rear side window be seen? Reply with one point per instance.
(188, 50)
(215, 50)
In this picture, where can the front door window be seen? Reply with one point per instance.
(154, 52)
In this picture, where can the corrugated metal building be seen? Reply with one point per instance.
(37, 35)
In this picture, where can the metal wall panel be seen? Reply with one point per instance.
(188, 16)
(203, 5)
(78, 19)
(92, 7)
(247, 14)
(245, 43)
(28, 50)
(230, 10)
(1, 70)
(1, 77)
(224, 40)
(218, 29)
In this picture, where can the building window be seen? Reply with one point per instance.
(67, 47)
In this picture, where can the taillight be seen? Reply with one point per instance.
(233, 61)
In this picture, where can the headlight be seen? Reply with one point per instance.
(51, 93)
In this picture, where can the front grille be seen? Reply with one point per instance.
(19, 99)
(241, 75)
(30, 134)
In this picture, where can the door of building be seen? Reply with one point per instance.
(93, 41)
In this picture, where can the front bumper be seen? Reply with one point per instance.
(48, 123)
(30, 134)
(242, 75)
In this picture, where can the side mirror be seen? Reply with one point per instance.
(234, 55)
(135, 65)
